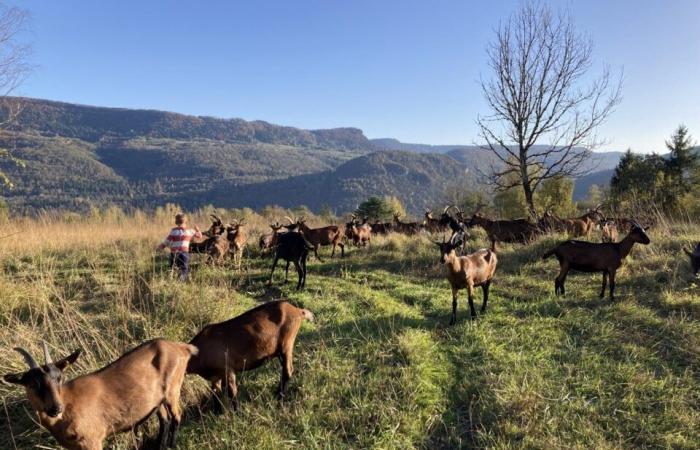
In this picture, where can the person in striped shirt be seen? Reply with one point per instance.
(178, 242)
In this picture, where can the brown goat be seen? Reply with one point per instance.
(217, 228)
(694, 258)
(246, 342)
(592, 257)
(409, 228)
(381, 228)
(237, 238)
(582, 225)
(517, 230)
(329, 235)
(608, 231)
(467, 272)
(361, 234)
(82, 412)
(269, 241)
(434, 225)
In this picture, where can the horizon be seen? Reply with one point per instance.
(406, 71)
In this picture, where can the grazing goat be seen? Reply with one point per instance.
(269, 241)
(467, 272)
(329, 235)
(82, 412)
(608, 231)
(517, 230)
(246, 342)
(293, 248)
(694, 258)
(409, 228)
(592, 257)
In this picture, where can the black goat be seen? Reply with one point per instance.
(293, 248)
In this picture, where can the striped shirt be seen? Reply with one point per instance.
(178, 241)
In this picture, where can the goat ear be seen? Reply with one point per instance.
(68, 360)
(14, 378)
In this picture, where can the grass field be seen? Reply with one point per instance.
(379, 368)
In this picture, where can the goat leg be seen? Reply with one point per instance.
(605, 281)
(163, 427)
(612, 285)
(274, 264)
(470, 297)
(453, 320)
(485, 288)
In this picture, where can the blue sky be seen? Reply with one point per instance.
(403, 69)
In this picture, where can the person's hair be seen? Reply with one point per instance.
(180, 218)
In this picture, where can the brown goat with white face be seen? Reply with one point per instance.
(82, 412)
(592, 257)
(467, 272)
(246, 342)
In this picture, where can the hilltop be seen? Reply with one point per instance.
(77, 157)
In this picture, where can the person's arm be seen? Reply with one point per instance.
(197, 232)
(165, 243)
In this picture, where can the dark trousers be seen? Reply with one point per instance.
(182, 262)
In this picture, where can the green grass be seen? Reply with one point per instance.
(380, 368)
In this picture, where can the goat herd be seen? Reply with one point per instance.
(82, 412)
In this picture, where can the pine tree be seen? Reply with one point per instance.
(683, 163)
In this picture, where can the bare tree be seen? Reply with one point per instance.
(537, 94)
(14, 68)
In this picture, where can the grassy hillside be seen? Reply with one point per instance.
(417, 179)
(379, 368)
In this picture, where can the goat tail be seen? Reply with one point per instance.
(193, 350)
(308, 315)
(687, 252)
(549, 253)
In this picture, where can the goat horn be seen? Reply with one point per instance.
(27, 357)
(291, 222)
(217, 218)
(47, 356)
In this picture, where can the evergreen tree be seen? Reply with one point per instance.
(683, 163)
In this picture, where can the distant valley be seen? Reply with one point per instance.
(77, 157)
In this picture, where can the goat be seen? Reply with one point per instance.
(237, 238)
(82, 412)
(292, 247)
(246, 342)
(269, 241)
(467, 272)
(329, 235)
(456, 225)
(381, 228)
(592, 257)
(361, 234)
(216, 229)
(608, 231)
(694, 258)
(516, 230)
(433, 225)
(582, 225)
(409, 228)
